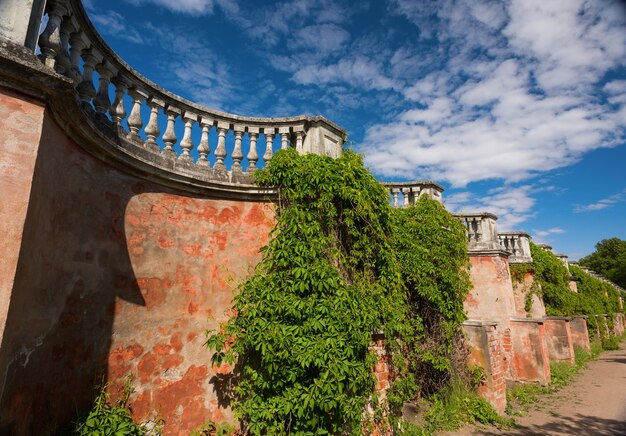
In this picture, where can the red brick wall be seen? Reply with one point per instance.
(119, 276)
(485, 344)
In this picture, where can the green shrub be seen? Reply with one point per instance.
(106, 419)
(327, 281)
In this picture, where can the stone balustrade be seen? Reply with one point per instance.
(518, 244)
(405, 194)
(188, 138)
(482, 231)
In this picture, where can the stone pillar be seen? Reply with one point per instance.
(486, 351)
(580, 333)
(492, 295)
(529, 361)
(559, 339)
(20, 21)
(322, 138)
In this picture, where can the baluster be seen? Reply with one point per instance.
(78, 44)
(63, 64)
(220, 151)
(284, 137)
(134, 119)
(253, 156)
(395, 192)
(186, 143)
(269, 141)
(169, 137)
(102, 102)
(152, 128)
(86, 90)
(50, 39)
(299, 140)
(405, 196)
(204, 148)
(237, 152)
(118, 111)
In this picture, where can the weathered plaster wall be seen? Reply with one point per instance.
(520, 293)
(529, 357)
(492, 295)
(20, 123)
(118, 276)
(559, 340)
(580, 333)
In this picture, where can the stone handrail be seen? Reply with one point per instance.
(518, 244)
(140, 118)
(482, 232)
(404, 194)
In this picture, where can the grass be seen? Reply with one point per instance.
(452, 407)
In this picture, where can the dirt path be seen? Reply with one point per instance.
(594, 403)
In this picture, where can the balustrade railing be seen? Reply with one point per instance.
(403, 194)
(225, 146)
(518, 244)
(482, 231)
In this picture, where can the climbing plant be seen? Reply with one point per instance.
(431, 247)
(327, 281)
(594, 296)
(341, 265)
(550, 281)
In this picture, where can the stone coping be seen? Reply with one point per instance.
(479, 323)
(529, 320)
(484, 253)
(558, 318)
(515, 233)
(477, 215)
(430, 183)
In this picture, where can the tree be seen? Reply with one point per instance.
(609, 260)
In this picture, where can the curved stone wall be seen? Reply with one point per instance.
(117, 275)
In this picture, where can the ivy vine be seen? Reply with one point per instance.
(341, 265)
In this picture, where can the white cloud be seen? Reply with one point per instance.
(543, 236)
(357, 71)
(602, 204)
(520, 93)
(115, 24)
(512, 205)
(196, 7)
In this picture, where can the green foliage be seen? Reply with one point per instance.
(341, 265)
(594, 297)
(609, 260)
(457, 404)
(561, 373)
(327, 281)
(431, 248)
(106, 419)
(552, 279)
(211, 428)
(610, 343)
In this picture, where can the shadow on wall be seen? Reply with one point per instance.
(118, 276)
(73, 265)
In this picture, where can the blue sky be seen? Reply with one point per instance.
(517, 107)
